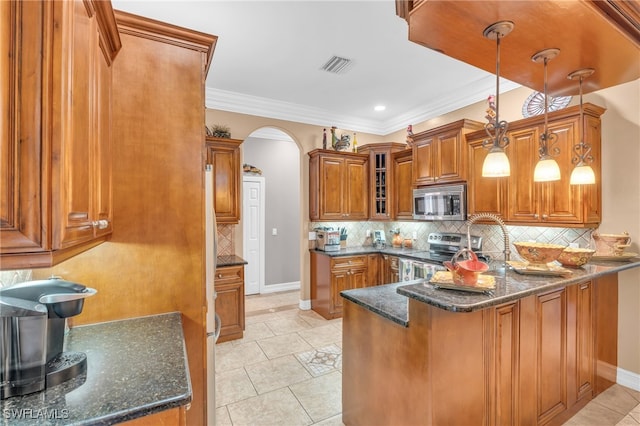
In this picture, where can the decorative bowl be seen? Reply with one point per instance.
(538, 254)
(575, 257)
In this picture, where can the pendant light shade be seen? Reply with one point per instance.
(547, 168)
(496, 163)
(582, 174)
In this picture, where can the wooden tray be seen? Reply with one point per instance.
(552, 271)
(444, 279)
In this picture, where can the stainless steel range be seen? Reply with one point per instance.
(443, 245)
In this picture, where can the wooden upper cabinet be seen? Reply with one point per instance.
(57, 169)
(520, 200)
(381, 180)
(224, 155)
(338, 186)
(484, 195)
(402, 163)
(439, 155)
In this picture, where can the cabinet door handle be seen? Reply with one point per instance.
(545, 217)
(535, 216)
(219, 275)
(100, 224)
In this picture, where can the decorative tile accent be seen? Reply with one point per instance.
(226, 240)
(322, 360)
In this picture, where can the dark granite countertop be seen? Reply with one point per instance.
(230, 260)
(416, 254)
(510, 285)
(383, 300)
(135, 367)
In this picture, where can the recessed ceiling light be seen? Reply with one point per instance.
(380, 108)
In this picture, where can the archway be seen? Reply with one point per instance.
(271, 158)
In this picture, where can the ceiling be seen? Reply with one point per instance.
(269, 55)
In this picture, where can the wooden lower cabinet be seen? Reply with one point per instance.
(229, 285)
(390, 269)
(331, 275)
(172, 417)
(375, 271)
(536, 361)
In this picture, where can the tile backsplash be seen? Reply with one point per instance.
(226, 244)
(9, 278)
(491, 234)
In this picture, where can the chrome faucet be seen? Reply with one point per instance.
(474, 218)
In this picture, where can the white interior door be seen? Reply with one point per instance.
(253, 212)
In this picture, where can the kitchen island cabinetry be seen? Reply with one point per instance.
(224, 155)
(535, 351)
(521, 201)
(338, 186)
(331, 275)
(56, 144)
(229, 286)
(440, 155)
(381, 180)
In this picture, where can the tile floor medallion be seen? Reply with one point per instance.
(321, 361)
(287, 370)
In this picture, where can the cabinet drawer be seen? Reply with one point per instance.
(348, 262)
(226, 274)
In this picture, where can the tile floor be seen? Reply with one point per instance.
(287, 370)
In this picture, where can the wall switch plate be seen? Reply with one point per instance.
(312, 236)
(274, 231)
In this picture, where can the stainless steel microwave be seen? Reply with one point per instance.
(440, 202)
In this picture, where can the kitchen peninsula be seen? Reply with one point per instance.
(534, 351)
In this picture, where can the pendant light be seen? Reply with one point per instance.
(547, 168)
(582, 174)
(496, 163)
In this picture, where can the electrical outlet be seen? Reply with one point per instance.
(415, 235)
(312, 236)
(368, 233)
(574, 245)
(274, 231)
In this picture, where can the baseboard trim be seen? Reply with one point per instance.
(628, 379)
(275, 288)
(305, 305)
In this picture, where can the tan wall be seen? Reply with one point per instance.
(621, 177)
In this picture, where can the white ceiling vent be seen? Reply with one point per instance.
(337, 65)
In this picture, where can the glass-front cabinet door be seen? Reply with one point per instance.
(381, 171)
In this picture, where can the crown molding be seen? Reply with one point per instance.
(470, 93)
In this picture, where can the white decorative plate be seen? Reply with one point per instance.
(534, 104)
